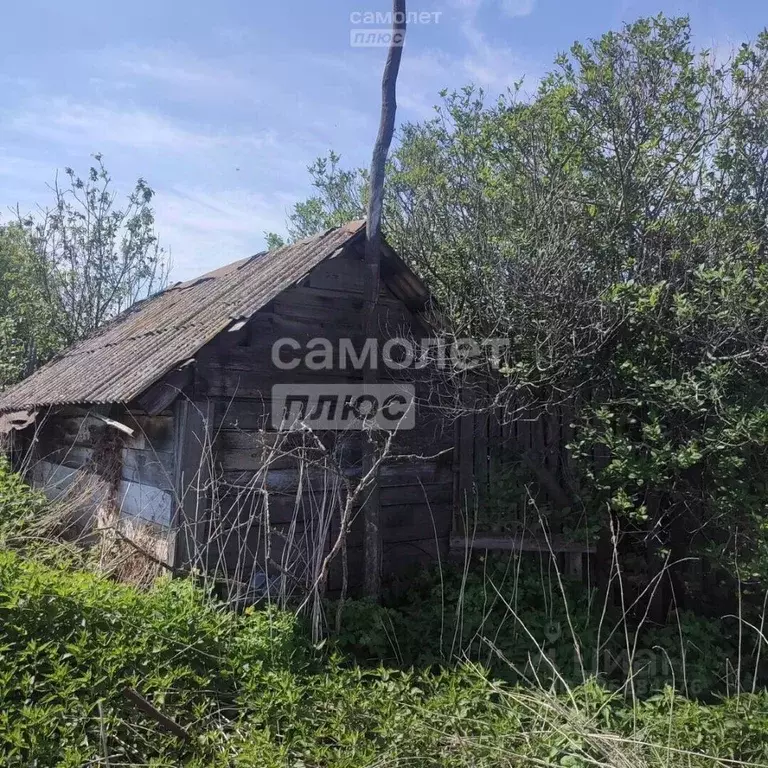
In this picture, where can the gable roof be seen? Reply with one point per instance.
(157, 334)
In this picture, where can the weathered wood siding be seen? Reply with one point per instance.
(259, 469)
(271, 502)
(147, 469)
(517, 467)
(62, 448)
(66, 451)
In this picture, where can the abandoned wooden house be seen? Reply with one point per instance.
(168, 407)
(167, 416)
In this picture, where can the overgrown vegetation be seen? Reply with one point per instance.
(612, 227)
(249, 691)
(68, 268)
(417, 681)
(526, 623)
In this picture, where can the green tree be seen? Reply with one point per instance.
(613, 228)
(340, 196)
(72, 267)
(27, 332)
(98, 258)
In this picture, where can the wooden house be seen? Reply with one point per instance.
(168, 409)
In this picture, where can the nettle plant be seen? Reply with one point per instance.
(20, 505)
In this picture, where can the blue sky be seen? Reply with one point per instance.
(221, 106)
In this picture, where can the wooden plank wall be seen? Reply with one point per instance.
(66, 441)
(491, 441)
(191, 482)
(236, 374)
(531, 443)
(62, 443)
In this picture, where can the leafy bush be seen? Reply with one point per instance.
(19, 504)
(251, 691)
(622, 258)
(518, 620)
(71, 642)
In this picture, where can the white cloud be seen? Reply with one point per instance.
(494, 68)
(22, 169)
(518, 7)
(253, 88)
(484, 63)
(510, 7)
(96, 126)
(206, 229)
(225, 138)
(207, 212)
(186, 74)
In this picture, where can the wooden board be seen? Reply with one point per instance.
(344, 275)
(153, 468)
(192, 422)
(150, 432)
(241, 415)
(145, 502)
(517, 544)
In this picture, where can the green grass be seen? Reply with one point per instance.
(252, 691)
(414, 683)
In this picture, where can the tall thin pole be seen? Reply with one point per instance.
(372, 508)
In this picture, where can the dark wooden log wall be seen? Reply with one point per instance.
(236, 375)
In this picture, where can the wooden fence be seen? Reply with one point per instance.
(492, 449)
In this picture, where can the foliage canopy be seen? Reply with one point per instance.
(613, 227)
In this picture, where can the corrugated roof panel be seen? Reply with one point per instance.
(155, 335)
